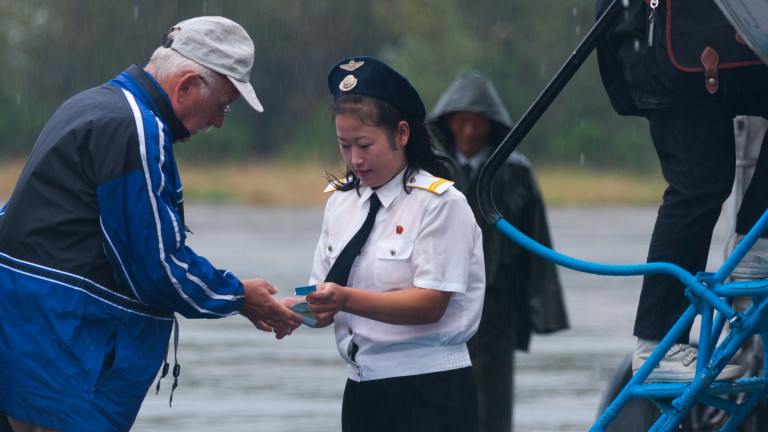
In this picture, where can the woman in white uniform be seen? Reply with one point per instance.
(413, 295)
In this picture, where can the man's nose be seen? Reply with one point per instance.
(470, 129)
(217, 121)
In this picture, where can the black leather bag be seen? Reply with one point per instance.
(698, 39)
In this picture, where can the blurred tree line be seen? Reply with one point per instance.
(51, 49)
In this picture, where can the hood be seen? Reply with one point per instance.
(470, 92)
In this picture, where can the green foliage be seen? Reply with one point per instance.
(314, 140)
(50, 50)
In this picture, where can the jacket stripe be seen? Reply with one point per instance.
(163, 256)
(158, 226)
(199, 282)
(83, 285)
(123, 270)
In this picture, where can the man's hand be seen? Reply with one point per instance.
(292, 301)
(265, 311)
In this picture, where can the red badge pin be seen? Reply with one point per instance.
(399, 229)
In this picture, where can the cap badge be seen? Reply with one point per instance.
(348, 83)
(352, 65)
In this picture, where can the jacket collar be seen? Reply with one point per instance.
(154, 96)
(477, 160)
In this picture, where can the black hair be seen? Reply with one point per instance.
(420, 151)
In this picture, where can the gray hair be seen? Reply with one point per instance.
(165, 63)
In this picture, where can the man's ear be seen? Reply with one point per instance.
(184, 87)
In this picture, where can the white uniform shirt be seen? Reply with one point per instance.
(423, 239)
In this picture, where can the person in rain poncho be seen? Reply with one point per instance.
(523, 292)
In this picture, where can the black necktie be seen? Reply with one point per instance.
(466, 170)
(339, 272)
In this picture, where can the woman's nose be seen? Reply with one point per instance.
(357, 157)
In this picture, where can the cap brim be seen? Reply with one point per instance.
(246, 90)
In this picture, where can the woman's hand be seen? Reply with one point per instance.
(328, 299)
(411, 306)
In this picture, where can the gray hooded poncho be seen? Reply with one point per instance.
(523, 292)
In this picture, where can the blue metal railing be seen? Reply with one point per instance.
(708, 292)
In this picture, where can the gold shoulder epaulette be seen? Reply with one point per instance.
(433, 184)
(335, 185)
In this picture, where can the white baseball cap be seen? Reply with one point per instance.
(221, 45)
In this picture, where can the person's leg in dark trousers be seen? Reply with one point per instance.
(434, 402)
(493, 360)
(695, 145)
(756, 196)
(5, 425)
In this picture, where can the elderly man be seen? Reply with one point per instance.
(522, 291)
(92, 241)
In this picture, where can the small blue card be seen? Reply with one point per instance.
(306, 290)
(306, 314)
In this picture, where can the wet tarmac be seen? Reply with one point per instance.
(236, 378)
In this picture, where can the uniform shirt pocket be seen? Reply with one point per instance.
(393, 265)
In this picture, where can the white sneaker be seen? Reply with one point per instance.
(679, 365)
(755, 262)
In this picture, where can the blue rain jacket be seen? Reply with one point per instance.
(93, 261)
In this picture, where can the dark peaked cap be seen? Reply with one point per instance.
(372, 77)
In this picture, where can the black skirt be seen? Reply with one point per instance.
(439, 402)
